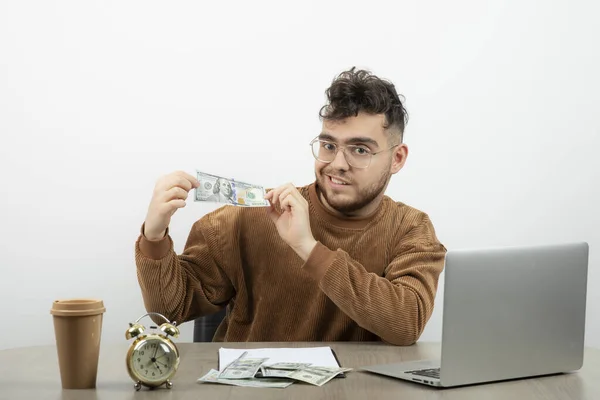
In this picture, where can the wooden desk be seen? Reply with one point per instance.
(32, 373)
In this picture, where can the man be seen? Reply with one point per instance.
(334, 260)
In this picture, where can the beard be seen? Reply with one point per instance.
(347, 205)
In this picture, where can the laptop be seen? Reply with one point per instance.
(508, 313)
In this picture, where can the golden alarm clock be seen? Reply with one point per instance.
(152, 358)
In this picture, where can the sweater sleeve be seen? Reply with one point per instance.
(183, 287)
(395, 306)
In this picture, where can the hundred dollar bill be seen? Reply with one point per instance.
(317, 376)
(217, 189)
(213, 377)
(287, 365)
(276, 373)
(242, 367)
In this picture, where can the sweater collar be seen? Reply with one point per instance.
(344, 222)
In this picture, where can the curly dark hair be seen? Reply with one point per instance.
(354, 91)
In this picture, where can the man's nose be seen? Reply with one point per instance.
(340, 162)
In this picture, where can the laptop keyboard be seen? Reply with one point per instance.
(430, 372)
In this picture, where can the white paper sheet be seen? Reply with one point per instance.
(319, 356)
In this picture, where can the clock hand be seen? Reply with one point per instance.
(153, 359)
(158, 368)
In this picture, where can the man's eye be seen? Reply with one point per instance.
(329, 146)
(361, 151)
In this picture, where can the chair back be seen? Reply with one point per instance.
(206, 326)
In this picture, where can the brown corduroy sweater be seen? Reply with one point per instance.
(372, 278)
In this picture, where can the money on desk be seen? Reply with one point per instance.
(253, 372)
(217, 189)
(242, 368)
(213, 377)
(317, 376)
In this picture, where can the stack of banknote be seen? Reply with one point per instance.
(217, 189)
(254, 372)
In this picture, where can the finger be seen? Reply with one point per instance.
(269, 192)
(176, 180)
(277, 192)
(179, 181)
(285, 193)
(275, 195)
(173, 205)
(190, 178)
(288, 200)
(294, 192)
(171, 181)
(175, 193)
(273, 213)
(289, 203)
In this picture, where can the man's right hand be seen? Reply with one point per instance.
(170, 194)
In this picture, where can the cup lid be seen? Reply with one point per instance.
(77, 307)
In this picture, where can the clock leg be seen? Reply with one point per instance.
(137, 386)
(169, 384)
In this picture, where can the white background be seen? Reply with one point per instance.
(99, 99)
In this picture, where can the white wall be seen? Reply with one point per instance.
(98, 99)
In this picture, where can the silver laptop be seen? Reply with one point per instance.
(508, 313)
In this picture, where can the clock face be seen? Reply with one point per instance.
(153, 360)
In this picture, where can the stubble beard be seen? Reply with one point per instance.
(365, 195)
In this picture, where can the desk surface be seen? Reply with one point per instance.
(32, 373)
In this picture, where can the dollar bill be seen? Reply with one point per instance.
(242, 367)
(213, 377)
(317, 376)
(287, 365)
(274, 373)
(217, 189)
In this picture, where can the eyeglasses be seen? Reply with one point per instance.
(356, 156)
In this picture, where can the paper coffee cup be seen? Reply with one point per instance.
(77, 329)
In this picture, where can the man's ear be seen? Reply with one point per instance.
(399, 158)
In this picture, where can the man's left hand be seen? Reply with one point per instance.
(292, 222)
